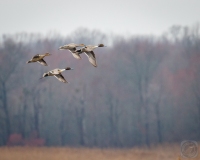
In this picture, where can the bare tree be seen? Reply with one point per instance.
(10, 56)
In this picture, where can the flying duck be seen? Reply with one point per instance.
(88, 50)
(57, 73)
(39, 58)
(72, 48)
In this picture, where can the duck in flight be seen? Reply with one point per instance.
(88, 50)
(72, 48)
(57, 73)
(39, 58)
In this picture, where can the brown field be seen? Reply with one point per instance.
(164, 152)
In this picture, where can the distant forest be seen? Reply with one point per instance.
(145, 90)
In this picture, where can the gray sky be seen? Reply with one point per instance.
(117, 16)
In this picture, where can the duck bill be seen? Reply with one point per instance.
(60, 48)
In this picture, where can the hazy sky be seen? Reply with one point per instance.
(117, 16)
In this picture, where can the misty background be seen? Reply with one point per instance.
(145, 90)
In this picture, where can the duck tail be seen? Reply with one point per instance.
(68, 68)
(101, 45)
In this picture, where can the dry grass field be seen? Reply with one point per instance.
(164, 152)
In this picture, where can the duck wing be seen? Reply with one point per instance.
(91, 58)
(74, 53)
(36, 56)
(42, 61)
(60, 78)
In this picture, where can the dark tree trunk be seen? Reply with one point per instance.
(62, 129)
(198, 105)
(94, 128)
(146, 125)
(114, 119)
(158, 124)
(24, 120)
(139, 125)
(81, 123)
(82, 142)
(111, 125)
(81, 126)
(94, 133)
(5, 108)
(36, 120)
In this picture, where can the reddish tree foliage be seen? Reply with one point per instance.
(15, 139)
(34, 142)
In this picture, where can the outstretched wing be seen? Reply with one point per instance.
(75, 54)
(42, 62)
(60, 78)
(91, 58)
(36, 56)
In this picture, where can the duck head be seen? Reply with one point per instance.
(47, 54)
(63, 47)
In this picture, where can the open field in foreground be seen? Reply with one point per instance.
(164, 152)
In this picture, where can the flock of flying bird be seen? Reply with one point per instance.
(72, 47)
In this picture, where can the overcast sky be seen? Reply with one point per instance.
(117, 16)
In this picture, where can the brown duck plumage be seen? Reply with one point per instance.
(39, 58)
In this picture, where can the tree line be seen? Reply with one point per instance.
(144, 91)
